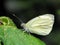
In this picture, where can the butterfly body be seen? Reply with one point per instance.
(41, 25)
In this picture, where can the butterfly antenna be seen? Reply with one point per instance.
(18, 18)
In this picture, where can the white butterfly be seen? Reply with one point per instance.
(41, 25)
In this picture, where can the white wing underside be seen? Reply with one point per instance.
(41, 25)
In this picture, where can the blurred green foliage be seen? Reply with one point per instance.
(58, 11)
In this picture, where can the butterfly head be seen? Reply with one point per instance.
(23, 24)
(25, 27)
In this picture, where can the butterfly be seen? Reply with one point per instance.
(40, 25)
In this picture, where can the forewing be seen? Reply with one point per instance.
(41, 25)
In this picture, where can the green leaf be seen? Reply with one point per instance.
(7, 21)
(10, 35)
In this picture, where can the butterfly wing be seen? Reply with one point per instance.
(41, 25)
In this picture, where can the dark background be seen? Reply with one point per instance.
(33, 9)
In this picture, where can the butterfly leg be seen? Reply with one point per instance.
(25, 31)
